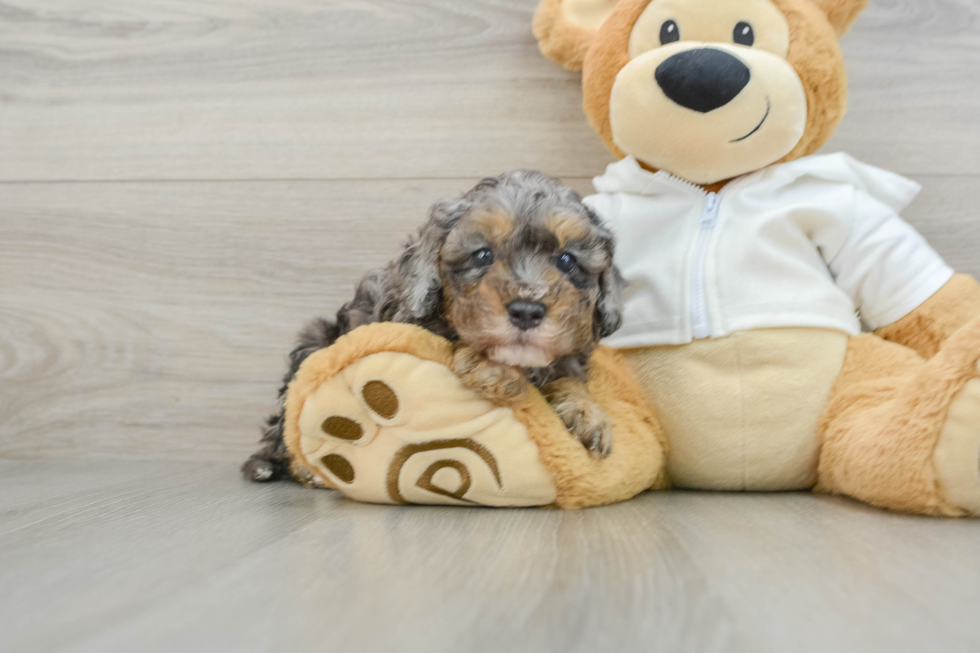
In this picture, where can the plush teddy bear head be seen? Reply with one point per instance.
(705, 89)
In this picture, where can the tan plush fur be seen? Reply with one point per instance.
(558, 39)
(636, 462)
(930, 325)
(842, 13)
(607, 56)
(957, 454)
(740, 412)
(816, 56)
(885, 416)
(581, 480)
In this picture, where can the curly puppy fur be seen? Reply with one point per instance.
(518, 274)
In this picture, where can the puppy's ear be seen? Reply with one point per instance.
(486, 183)
(609, 305)
(417, 273)
(565, 29)
(842, 13)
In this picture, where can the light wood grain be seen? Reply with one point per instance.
(153, 556)
(151, 320)
(184, 89)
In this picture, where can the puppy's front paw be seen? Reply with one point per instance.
(589, 423)
(582, 417)
(501, 384)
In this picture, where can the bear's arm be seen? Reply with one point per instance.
(884, 265)
(904, 290)
(929, 325)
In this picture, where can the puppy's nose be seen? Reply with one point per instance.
(526, 315)
(702, 80)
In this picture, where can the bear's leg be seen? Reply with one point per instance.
(382, 416)
(902, 432)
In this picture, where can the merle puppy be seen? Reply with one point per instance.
(518, 273)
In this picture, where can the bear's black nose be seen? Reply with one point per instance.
(526, 315)
(703, 79)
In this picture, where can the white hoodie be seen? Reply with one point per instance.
(806, 243)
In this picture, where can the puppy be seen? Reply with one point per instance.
(518, 274)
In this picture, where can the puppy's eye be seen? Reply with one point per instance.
(483, 257)
(743, 34)
(669, 32)
(566, 262)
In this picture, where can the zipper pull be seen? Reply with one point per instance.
(710, 210)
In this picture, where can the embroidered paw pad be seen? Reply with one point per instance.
(394, 428)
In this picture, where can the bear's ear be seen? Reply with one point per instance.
(566, 28)
(842, 13)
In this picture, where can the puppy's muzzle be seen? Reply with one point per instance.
(526, 315)
(702, 80)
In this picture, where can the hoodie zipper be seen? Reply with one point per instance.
(700, 320)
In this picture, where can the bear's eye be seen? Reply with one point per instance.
(669, 32)
(743, 34)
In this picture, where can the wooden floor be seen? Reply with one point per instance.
(184, 182)
(168, 556)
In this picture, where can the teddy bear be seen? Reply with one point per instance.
(753, 263)
(784, 329)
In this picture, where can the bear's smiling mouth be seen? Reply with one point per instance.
(759, 126)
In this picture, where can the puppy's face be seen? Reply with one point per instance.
(527, 282)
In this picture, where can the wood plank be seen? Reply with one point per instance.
(184, 89)
(187, 556)
(151, 320)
